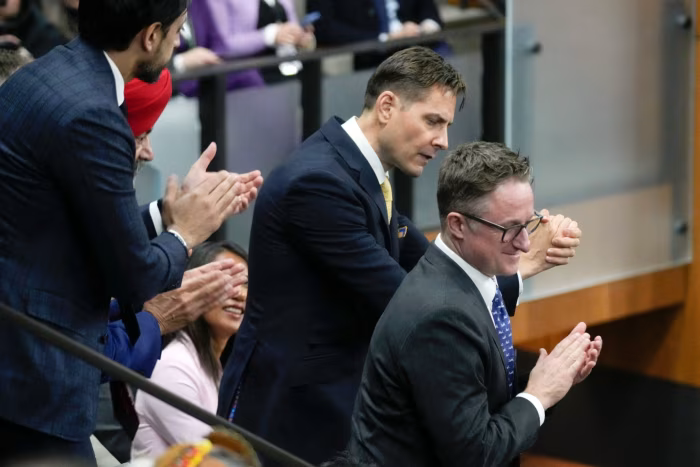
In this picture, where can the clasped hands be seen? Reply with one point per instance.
(198, 207)
(552, 244)
(569, 363)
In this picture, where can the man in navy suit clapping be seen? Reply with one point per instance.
(71, 234)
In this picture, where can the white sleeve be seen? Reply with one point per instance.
(158, 221)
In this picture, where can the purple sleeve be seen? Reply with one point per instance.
(291, 11)
(227, 29)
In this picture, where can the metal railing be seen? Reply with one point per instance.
(119, 372)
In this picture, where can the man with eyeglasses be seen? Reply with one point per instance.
(439, 386)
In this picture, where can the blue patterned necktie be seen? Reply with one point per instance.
(505, 335)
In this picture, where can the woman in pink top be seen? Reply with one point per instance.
(190, 366)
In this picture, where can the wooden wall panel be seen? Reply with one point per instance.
(664, 344)
(599, 304)
(529, 460)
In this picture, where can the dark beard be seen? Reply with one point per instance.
(148, 73)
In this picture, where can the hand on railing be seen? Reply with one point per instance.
(197, 58)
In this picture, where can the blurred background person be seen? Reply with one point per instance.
(190, 365)
(26, 21)
(221, 448)
(244, 28)
(12, 56)
(346, 22)
(63, 14)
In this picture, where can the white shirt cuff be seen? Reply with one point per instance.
(536, 402)
(155, 217)
(179, 63)
(429, 26)
(270, 34)
(520, 288)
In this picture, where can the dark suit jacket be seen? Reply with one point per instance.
(71, 235)
(434, 390)
(323, 265)
(353, 21)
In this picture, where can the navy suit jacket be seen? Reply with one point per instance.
(323, 265)
(71, 234)
(354, 21)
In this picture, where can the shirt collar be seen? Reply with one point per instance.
(485, 284)
(118, 79)
(355, 133)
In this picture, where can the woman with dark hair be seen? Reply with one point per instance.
(190, 365)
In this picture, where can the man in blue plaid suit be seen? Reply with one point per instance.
(71, 233)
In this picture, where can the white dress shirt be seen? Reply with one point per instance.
(487, 288)
(118, 79)
(355, 133)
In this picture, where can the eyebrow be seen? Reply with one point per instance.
(438, 117)
(511, 222)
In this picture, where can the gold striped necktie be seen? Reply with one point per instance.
(386, 191)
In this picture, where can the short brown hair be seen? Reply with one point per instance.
(474, 170)
(410, 73)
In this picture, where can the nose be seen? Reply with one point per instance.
(440, 141)
(522, 241)
(243, 294)
(145, 151)
(176, 43)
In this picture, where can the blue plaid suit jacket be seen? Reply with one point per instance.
(71, 233)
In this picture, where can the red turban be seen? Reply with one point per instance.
(145, 102)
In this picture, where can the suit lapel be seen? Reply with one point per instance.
(497, 342)
(467, 287)
(367, 179)
(368, 182)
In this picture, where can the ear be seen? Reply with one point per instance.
(456, 225)
(151, 37)
(387, 104)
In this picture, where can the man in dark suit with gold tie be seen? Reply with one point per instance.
(439, 386)
(328, 250)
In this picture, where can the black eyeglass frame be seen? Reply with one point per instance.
(538, 217)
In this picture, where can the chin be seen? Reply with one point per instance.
(509, 269)
(413, 171)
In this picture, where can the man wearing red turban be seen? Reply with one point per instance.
(144, 104)
(166, 312)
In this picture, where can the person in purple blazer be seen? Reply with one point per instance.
(245, 28)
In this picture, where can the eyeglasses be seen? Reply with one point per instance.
(509, 233)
